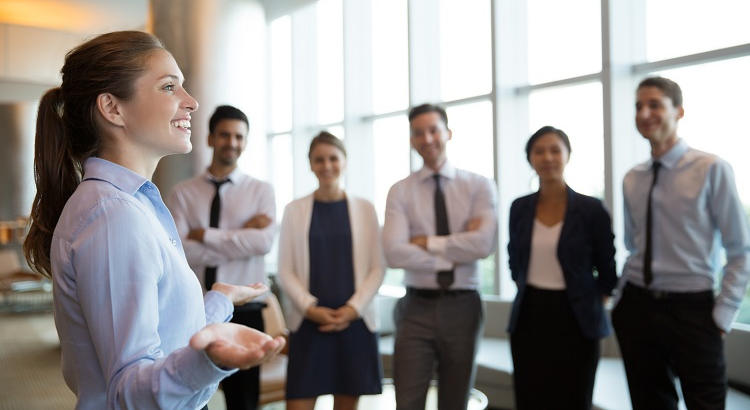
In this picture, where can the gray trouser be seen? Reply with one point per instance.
(440, 330)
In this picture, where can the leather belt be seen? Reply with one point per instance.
(657, 294)
(436, 293)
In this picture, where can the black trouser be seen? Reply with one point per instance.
(242, 389)
(554, 364)
(667, 334)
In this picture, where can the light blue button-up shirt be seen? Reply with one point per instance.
(126, 302)
(696, 211)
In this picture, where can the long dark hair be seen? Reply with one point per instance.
(66, 132)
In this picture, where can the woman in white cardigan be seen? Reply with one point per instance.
(330, 267)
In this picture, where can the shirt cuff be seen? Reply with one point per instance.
(724, 316)
(197, 369)
(437, 244)
(219, 308)
(442, 264)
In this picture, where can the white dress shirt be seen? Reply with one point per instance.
(410, 212)
(696, 211)
(545, 271)
(237, 252)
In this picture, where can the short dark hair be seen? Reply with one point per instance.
(226, 112)
(425, 108)
(325, 137)
(670, 88)
(547, 129)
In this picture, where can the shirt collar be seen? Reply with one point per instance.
(671, 157)
(447, 171)
(233, 176)
(122, 178)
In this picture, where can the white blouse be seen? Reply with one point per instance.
(545, 271)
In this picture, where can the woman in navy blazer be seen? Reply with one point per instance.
(561, 256)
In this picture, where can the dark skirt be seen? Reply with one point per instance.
(345, 362)
(554, 365)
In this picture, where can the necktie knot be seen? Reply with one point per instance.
(217, 184)
(656, 166)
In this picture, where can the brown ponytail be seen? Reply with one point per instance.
(66, 132)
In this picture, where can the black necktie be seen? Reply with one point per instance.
(213, 222)
(444, 277)
(648, 274)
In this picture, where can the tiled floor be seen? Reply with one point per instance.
(30, 364)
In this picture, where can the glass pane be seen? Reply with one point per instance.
(281, 74)
(330, 61)
(471, 147)
(678, 27)
(723, 98)
(282, 174)
(390, 65)
(560, 50)
(391, 151)
(560, 107)
(282, 180)
(465, 48)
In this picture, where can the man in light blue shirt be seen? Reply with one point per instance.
(681, 209)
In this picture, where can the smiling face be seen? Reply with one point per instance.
(157, 116)
(429, 135)
(327, 162)
(228, 141)
(656, 116)
(548, 156)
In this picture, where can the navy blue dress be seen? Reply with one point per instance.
(345, 362)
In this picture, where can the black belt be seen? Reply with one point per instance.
(250, 307)
(704, 295)
(436, 293)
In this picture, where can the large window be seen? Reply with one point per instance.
(503, 69)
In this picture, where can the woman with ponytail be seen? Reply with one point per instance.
(129, 312)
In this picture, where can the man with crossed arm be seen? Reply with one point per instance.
(226, 220)
(439, 222)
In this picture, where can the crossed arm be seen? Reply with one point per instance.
(205, 246)
(422, 252)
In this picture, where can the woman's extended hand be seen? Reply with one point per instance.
(239, 294)
(230, 345)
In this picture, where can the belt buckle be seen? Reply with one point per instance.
(659, 294)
